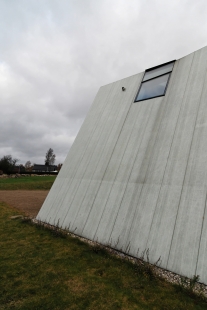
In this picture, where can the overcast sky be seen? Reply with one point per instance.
(55, 54)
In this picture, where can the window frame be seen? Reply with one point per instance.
(150, 79)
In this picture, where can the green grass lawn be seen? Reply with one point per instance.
(27, 183)
(40, 270)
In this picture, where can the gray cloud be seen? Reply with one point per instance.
(54, 56)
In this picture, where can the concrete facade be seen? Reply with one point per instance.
(136, 175)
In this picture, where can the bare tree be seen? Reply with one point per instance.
(59, 166)
(28, 165)
(49, 157)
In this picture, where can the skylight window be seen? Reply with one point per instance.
(155, 81)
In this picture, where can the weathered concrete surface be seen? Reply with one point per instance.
(136, 175)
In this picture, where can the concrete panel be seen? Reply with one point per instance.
(163, 223)
(122, 224)
(121, 164)
(86, 203)
(185, 126)
(186, 236)
(46, 212)
(108, 216)
(123, 221)
(201, 269)
(96, 210)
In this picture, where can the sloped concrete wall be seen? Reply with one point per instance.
(136, 175)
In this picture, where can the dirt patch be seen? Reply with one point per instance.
(29, 202)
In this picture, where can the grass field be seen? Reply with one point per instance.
(27, 183)
(41, 270)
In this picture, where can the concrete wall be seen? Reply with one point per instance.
(136, 175)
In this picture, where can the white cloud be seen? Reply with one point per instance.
(54, 56)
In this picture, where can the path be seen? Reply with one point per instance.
(28, 201)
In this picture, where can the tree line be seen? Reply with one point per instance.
(8, 164)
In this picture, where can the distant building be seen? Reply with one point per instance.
(44, 168)
(18, 169)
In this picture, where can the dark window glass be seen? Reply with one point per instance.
(158, 71)
(155, 81)
(153, 88)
